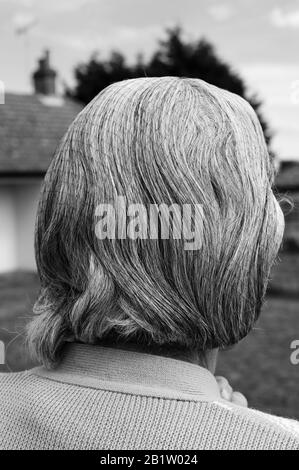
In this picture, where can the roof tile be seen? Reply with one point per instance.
(30, 131)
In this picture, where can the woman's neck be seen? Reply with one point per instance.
(207, 359)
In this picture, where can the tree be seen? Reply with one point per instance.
(173, 57)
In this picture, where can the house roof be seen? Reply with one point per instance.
(31, 127)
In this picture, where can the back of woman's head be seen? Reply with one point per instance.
(155, 141)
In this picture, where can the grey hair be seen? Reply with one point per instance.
(155, 140)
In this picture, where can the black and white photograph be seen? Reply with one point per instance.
(149, 228)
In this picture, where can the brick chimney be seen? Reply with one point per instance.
(44, 77)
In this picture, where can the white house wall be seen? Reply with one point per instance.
(8, 252)
(18, 205)
(26, 201)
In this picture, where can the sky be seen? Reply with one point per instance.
(258, 38)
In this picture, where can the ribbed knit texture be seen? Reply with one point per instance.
(102, 398)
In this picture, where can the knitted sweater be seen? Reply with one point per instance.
(102, 398)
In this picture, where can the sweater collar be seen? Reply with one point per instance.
(133, 372)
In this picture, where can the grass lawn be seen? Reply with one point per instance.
(259, 366)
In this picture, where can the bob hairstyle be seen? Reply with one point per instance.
(156, 140)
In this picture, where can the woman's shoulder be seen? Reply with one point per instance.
(254, 429)
(12, 376)
(286, 424)
(13, 381)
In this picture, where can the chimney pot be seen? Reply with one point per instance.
(44, 77)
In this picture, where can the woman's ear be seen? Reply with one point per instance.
(280, 219)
